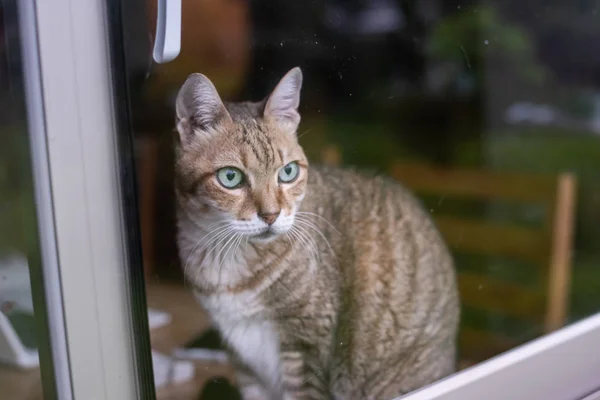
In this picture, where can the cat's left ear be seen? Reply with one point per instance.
(282, 104)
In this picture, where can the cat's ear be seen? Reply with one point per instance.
(282, 104)
(199, 108)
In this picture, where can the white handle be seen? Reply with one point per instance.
(167, 42)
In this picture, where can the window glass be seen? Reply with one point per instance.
(487, 111)
(21, 337)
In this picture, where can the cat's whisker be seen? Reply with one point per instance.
(216, 241)
(198, 243)
(218, 230)
(301, 229)
(201, 226)
(237, 245)
(218, 223)
(308, 240)
(287, 236)
(230, 245)
(226, 241)
(223, 250)
(294, 236)
(313, 242)
(310, 225)
(322, 218)
(221, 237)
(304, 133)
(246, 239)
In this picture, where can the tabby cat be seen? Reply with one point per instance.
(324, 283)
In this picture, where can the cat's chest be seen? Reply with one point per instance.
(257, 343)
(243, 322)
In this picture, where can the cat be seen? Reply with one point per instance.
(325, 283)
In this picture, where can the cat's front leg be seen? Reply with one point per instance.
(250, 387)
(302, 380)
(248, 383)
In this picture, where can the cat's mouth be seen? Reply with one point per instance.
(264, 234)
(267, 234)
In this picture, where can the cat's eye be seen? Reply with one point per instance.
(230, 177)
(289, 173)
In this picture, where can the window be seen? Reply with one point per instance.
(33, 358)
(486, 111)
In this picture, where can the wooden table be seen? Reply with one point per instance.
(188, 320)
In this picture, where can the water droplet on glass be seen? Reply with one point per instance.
(486, 42)
(480, 287)
(281, 44)
(458, 6)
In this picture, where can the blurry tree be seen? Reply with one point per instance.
(476, 49)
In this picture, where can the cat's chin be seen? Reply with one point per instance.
(264, 237)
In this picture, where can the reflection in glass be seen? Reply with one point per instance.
(488, 111)
(19, 360)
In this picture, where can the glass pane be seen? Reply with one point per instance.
(20, 334)
(487, 112)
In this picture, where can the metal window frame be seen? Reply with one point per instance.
(81, 135)
(92, 269)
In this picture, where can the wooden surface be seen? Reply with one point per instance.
(547, 247)
(559, 279)
(20, 385)
(481, 237)
(188, 321)
(507, 298)
(519, 187)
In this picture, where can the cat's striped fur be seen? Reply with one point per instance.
(351, 293)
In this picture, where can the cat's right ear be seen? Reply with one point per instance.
(282, 104)
(200, 110)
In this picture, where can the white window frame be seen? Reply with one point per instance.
(564, 365)
(71, 120)
(77, 154)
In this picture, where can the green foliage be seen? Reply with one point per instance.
(576, 103)
(17, 208)
(477, 39)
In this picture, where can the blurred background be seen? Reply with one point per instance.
(488, 110)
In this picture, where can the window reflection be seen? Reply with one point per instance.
(19, 341)
(488, 111)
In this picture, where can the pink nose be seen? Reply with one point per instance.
(269, 218)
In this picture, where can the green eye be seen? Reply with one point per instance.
(230, 177)
(289, 173)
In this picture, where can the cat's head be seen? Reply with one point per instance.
(239, 164)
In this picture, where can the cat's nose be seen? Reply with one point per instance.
(268, 217)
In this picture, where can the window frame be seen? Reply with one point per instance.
(94, 280)
(85, 153)
(561, 365)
